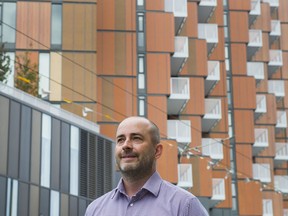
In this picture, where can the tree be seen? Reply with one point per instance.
(27, 76)
(5, 69)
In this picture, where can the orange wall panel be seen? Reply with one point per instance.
(282, 11)
(249, 198)
(244, 161)
(227, 203)
(277, 200)
(220, 89)
(239, 23)
(270, 116)
(158, 68)
(270, 150)
(244, 126)
(108, 130)
(264, 20)
(168, 162)
(218, 53)
(238, 59)
(190, 27)
(222, 125)
(240, 5)
(155, 5)
(283, 37)
(159, 32)
(263, 52)
(217, 16)
(244, 92)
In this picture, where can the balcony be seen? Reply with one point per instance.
(209, 32)
(275, 61)
(256, 69)
(212, 148)
(180, 94)
(261, 140)
(212, 114)
(276, 87)
(218, 192)
(179, 9)
(281, 153)
(275, 30)
(255, 11)
(267, 207)
(281, 183)
(185, 179)
(285, 212)
(205, 10)
(180, 55)
(281, 120)
(213, 76)
(261, 107)
(261, 172)
(180, 130)
(255, 42)
(273, 3)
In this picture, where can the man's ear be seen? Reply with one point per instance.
(158, 150)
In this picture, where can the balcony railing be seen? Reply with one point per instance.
(256, 69)
(178, 7)
(181, 53)
(275, 28)
(209, 32)
(255, 7)
(281, 183)
(208, 3)
(212, 148)
(180, 94)
(261, 137)
(213, 76)
(261, 103)
(281, 151)
(273, 3)
(281, 119)
(180, 130)
(212, 108)
(255, 38)
(275, 58)
(205, 10)
(261, 172)
(285, 212)
(267, 207)
(185, 179)
(276, 87)
(218, 192)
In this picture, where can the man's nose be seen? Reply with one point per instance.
(127, 144)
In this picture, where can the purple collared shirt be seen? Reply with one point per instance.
(156, 198)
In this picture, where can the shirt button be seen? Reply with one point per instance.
(131, 204)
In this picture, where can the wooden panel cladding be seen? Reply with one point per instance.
(155, 5)
(108, 130)
(218, 53)
(168, 162)
(190, 27)
(116, 15)
(82, 1)
(241, 5)
(270, 150)
(239, 59)
(249, 198)
(196, 104)
(160, 32)
(217, 16)
(33, 25)
(222, 125)
(239, 23)
(202, 184)
(263, 53)
(196, 64)
(116, 98)
(157, 110)
(284, 36)
(244, 161)
(263, 22)
(116, 53)
(244, 92)
(277, 200)
(220, 89)
(269, 118)
(244, 126)
(227, 203)
(158, 68)
(77, 109)
(283, 15)
(55, 76)
(269, 161)
(196, 133)
(262, 87)
(79, 77)
(79, 20)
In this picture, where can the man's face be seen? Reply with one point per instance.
(134, 151)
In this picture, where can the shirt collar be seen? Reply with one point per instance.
(152, 185)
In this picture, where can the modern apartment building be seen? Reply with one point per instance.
(212, 74)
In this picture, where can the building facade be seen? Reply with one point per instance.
(211, 74)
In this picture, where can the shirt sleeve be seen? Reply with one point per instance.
(193, 207)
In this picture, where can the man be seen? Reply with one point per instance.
(141, 191)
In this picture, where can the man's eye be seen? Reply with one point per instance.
(120, 140)
(137, 138)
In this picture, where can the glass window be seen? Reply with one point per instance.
(140, 2)
(54, 203)
(44, 73)
(12, 197)
(141, 64)
(142, 106)
(46, 150)
(141, 22)
(74, 160)
(9, 22)
(141, 40)
(227, 65)
(141, 81)
(56, 25)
